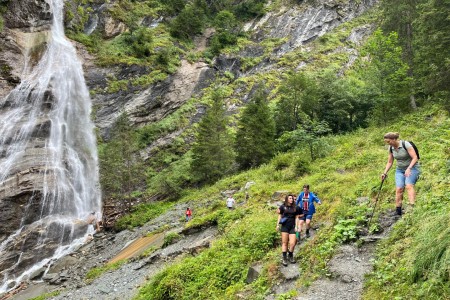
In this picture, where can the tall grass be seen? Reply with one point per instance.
(432, 263)
(411, 263)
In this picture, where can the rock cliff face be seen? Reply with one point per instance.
(39, 140)
(26, 33)
(153, 103)
(298, 25)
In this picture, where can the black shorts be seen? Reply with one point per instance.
(289, 227)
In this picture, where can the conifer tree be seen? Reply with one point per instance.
(433, 44)
(298, 94)
(212, 152)
(387, 75)
(399, 16)
(255, 137)
(120, 163)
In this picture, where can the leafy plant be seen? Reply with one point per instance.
(141, 214)
(171, 238)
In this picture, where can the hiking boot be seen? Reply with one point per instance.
(292, 260)
(307, 234)
(284, 262)
(398, 211)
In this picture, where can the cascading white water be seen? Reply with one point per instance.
(45, 126)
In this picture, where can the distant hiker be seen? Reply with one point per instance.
(287, 218)
(188, 214)
(92, 220)
(407, 171)
(306, 201)
(230, 202)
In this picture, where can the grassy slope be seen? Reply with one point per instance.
(350, 170)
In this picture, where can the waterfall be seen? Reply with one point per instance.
(47, 144)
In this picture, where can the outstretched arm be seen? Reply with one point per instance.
(316, 199)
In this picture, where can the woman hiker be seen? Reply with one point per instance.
(306, 201)
(407, 171)
(287, 218)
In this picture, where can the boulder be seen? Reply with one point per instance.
(253, 273)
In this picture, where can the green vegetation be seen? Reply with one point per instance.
(171, 238)
(96, 272)
(212, 154)
(121, 170)
(306, 105)
(255, 136)
(141, 214)
(47, 295)
(338, 179)
(3, 9)
(414, 263)
(320, 114)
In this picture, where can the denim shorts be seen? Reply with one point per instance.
(306, 216)
(401, 180)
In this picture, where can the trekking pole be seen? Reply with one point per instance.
(376, 201)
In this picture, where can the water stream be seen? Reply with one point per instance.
(48, 149)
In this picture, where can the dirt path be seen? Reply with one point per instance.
(138, 247)
(346, 270)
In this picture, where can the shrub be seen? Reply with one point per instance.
(141, 214)
(140, 41)
(301, 165)
(188, 23)
(281, 162)
(171, 238)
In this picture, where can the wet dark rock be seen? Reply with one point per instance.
(28, 14)
(228, 64)
(63, 264)
(50, 277)
(37, 274)
(253, 273)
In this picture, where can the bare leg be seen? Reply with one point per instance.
(300, 225)
(411, 193)
(292, 242)
(284, 241)
(399, 196)
(308, 224)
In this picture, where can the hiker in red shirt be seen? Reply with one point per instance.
(188, 214)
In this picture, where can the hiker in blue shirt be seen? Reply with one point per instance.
(306, 201)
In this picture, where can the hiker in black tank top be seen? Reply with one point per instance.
(287, 220)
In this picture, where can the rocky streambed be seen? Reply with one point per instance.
(68, 274)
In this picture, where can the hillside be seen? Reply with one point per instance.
(349, 171)
(193, 100)
(347, 181)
